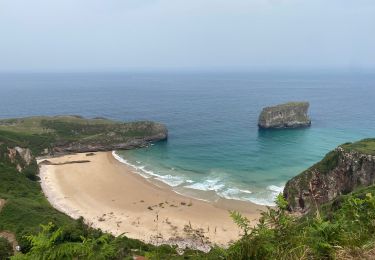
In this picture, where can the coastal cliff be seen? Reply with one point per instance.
(289, 115)
(64, 134)
(343, 170)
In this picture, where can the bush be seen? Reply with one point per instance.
(5, 249)
(350, 228)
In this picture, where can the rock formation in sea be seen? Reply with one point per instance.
(348, 167)
(288, 115)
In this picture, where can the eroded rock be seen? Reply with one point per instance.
(340, 172)
(289, 115)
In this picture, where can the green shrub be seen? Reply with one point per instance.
(350, 227)
(6, 249)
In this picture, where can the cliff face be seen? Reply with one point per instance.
(289, 115)
(22, 157)
(343, 170)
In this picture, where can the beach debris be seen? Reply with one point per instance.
(90, 154)
(150, 208)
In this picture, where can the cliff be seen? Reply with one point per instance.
(289, 115)
(343, 170)
(61, 134)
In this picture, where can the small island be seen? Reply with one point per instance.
(288, 115)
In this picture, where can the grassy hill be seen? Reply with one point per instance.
(77, 134)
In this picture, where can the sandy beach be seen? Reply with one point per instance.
(111, 196)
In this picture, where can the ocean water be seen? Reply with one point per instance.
(214, 148)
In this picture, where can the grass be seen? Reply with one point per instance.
(27, 208)
(76, 134)
(76, 128)
(343, 227)
(365, 146)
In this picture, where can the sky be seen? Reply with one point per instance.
(125, 35)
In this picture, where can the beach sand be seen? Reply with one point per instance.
(111, 196)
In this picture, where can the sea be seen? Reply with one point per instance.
(214, 149)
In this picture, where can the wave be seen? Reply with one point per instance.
(219, 186)
(275, 188)
(170, 180)
(207, 185)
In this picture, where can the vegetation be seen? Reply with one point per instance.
(342, 229)
(46, 132)
(6, 249)
(28, 214)
(365, 146)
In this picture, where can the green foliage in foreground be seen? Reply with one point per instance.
(51, 243)
(343, 229)
(57, 243)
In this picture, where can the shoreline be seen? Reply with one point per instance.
(110, 195)
(184, 186)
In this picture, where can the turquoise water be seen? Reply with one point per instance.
(214, 148)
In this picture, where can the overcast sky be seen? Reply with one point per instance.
(120, 35)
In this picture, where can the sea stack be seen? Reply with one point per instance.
(288, 115)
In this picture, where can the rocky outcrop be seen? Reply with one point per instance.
(122, 138)
(66, 134)
(23, 153)
(343, 170)
(289, 115)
